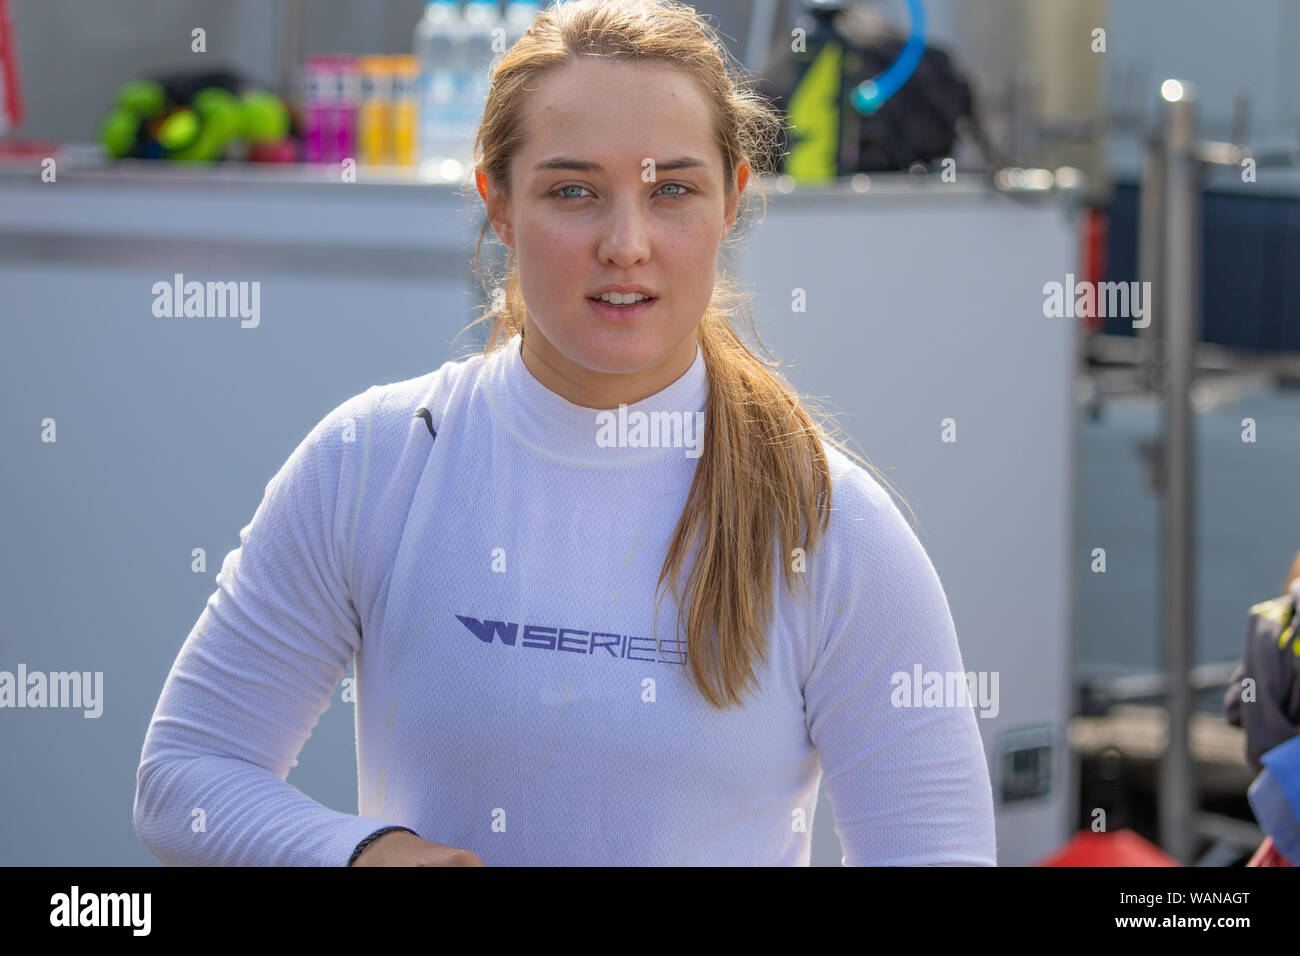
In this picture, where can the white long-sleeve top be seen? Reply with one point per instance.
(489, 566)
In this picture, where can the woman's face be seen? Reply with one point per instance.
(598, 199)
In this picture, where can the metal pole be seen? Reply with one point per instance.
(762, 28)
(289, 34)
(1182, 315)
(1151, 227)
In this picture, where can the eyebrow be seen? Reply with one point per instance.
(584, 166)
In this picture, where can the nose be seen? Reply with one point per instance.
(625, 238)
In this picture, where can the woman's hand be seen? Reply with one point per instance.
(400, 848)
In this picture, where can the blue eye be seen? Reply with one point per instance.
(558, 193)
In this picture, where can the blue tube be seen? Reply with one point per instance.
(870, 95)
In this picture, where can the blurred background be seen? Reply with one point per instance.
(1069, 228)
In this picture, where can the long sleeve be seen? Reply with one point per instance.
(908, 785)
(256, 672)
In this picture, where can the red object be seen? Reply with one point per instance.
(1121, 848)
(11, 99)
(26, 149)
(285, 151)
(1267, 855)
(1095, 222)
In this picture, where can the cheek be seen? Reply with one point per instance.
(552, 230)
(690, 257)
(551, 256)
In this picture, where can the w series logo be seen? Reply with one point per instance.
(575, 641)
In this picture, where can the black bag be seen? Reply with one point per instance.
(918, 124)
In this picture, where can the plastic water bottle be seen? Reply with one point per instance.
(482, 17)
(440, 51)
(519, 17)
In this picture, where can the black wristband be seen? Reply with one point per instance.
(371, 839)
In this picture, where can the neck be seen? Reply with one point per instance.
(601, 390)
(669, 421)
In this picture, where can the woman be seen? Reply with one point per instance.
(499, 531)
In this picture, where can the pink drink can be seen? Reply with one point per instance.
(317, 87)
(346, 93)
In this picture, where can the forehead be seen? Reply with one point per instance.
(601, 109)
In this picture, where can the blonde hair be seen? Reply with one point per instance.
(762, 468)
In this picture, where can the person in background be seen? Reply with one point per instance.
(1268, 709)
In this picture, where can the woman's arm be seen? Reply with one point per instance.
(254, 675)
(908, 785)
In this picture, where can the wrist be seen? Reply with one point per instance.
(361, 847)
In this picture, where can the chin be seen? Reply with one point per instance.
(623, 352)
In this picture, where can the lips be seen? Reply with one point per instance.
(621, 313)
(622, 290)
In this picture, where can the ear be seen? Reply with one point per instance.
(497, 208)
(733, 201)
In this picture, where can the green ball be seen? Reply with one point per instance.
(219, 109)
(264, 117)
(213, 96)
(118, 132)
(179, 130)
(144, 98)
(208, 147)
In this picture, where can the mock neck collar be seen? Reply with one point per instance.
(554, 427)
